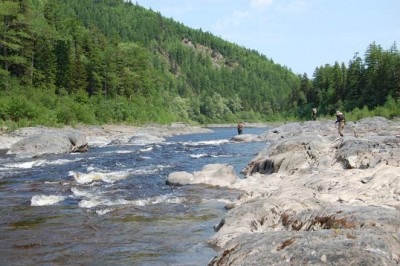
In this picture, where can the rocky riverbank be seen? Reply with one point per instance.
(313, 198)
(309, 196)
(33, 141)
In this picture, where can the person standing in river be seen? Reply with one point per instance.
(240, 127)
(341, 120)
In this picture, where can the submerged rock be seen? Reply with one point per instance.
(211, 174)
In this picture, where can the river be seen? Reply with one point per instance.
(111, 205)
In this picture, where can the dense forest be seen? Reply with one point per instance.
(365, 87)
(113, 61)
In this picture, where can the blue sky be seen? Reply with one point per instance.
(300, 34)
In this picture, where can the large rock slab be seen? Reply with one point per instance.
(334, 236)
(50, 143)
(313, 198)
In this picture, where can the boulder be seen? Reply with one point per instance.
(211, 174)
(51, 142)
(246, 138)
(145, 138)
(289, 155)
(180, 178)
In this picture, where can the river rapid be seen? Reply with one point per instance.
(111, 205)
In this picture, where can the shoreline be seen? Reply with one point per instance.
(106, 133)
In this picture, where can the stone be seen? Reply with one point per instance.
(314, 198)
(50, 143)
(211, 174)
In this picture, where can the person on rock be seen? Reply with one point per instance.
(314, 114)
(341, 120)
(240, 127)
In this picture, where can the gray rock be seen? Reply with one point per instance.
(211, 174)
(145, 138)
(50, 143)
(290, 155)
(314, 198)
(246, 138)
(180, 178)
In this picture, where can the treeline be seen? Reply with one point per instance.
(365, 87)
(112, 61)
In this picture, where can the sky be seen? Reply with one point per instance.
(299, 34)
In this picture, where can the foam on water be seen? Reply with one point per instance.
(36, 163)
(206, 142)
(149, 170)
(90, 203)
(86, 178)
(61, 161)
(96, 175)
(85, 193)
(147, 149)
(222, 156)
(101, 201)
(202, 155)
(197, 156)
(93, 199)
(119, 152)
(44, 200)
(124, 151)
(104, 211)
(25, 165)
(169, 198)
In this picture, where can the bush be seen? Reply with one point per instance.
(20, 108)
(70, 112)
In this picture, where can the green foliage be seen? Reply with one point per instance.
(365, 88)
(19, 108)
(111, 61)
(389, 110)
(358, 114)
(180, 108)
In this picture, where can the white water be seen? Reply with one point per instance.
(44, 200)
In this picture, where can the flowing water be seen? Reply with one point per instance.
(111, 205)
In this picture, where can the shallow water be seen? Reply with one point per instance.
(111, 205)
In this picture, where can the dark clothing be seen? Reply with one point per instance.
(341, 120)
(240, 127)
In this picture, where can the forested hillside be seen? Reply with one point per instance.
(365, 87)
(112, 61)
(108, 61)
